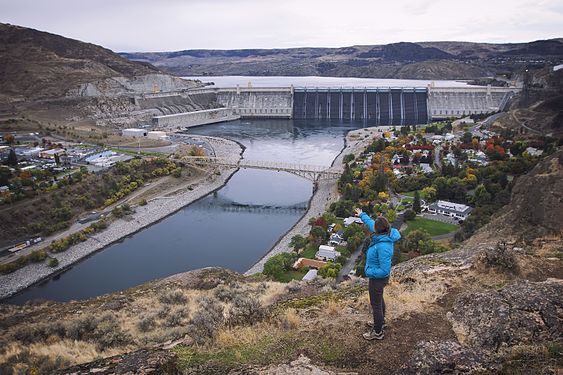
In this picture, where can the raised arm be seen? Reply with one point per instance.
(368, 221)
(394, 235)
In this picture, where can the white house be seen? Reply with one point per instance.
(351, 220)
(426, 168)
(327, 253)
(450, 158)
(534, 151)
(336, 239)
(134, 132)
(456, 210)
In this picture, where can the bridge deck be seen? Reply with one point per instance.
(311, 172)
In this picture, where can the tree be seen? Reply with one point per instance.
(429, 194)
(330, 270)
(12, 158)
(342, 208)
(482, 196)
(517, 148)
(391, 215)
(277, 265)
(466, 137)
(5, 175)
(9, 138)
(348, 158)
(380, 182)
(297, 242)
(409, 215)
(318, 234)
(416, 204)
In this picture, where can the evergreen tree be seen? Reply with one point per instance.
(12, 158)
(416, 204)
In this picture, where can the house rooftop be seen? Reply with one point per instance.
(452, 207)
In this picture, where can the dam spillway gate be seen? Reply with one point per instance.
(379, 106)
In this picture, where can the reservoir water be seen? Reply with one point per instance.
(323, 82)
(231, 228)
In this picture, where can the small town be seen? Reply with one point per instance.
(438, 183)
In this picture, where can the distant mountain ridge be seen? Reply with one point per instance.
(424, 60)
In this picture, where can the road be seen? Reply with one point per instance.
(350, 263)
(437, 161)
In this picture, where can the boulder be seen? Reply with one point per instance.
(523, 312)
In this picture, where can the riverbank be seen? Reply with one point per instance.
(156, 209)
(325, 193)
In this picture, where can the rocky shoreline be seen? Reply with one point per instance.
(144, 216)
(325, 193)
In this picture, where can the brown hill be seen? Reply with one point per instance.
(36, 64)
(426, 60)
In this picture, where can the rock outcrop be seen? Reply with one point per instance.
(142, 362)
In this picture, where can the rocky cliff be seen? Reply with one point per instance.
(491, 306)
(39, 65)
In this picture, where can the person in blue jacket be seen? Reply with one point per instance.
(378, 268)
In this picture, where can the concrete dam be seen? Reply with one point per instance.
(375, 106)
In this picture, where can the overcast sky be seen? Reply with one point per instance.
(168, 25)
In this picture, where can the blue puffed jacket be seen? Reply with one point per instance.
(380, 251)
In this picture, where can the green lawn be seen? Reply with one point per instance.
(309, 252)
(434, 228)
(293, 275)
(408, 193)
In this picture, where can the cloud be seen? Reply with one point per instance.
(165, 25)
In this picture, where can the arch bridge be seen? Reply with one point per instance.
(310, 172)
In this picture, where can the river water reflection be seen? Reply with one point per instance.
(230, 228)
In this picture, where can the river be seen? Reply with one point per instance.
(231, 228)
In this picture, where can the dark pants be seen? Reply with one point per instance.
(376, 301)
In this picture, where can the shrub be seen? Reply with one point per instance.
(498, 258)
(108, 334)
(176, 317)
(143, 202)
(225, 293)
(246, 310)
(80, 328)
(294, 286)
(53, 262)
(173, 297)
(203, 326)
(147, 323)
(163, 312)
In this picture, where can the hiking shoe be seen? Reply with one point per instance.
(370, 324)
(372, 335)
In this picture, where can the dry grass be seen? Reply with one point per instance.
(249, 335)
(74, 351)
(291, 318)
(272, 292)
(402, 299)
(332, 307)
